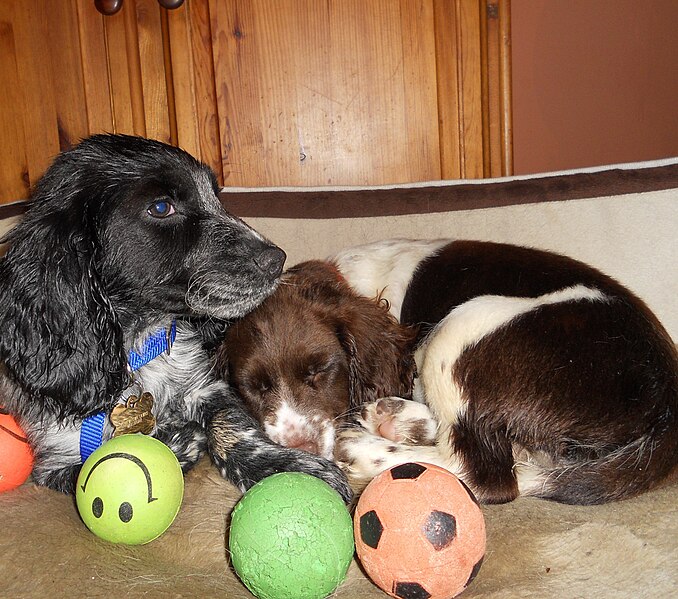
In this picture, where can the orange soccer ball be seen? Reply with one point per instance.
(419, 532)
(16, 457)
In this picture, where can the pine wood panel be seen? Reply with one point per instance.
(61, 36)
(473, 62)
(137, 70)
(449, 98)
(497, 140)
(267, 92)
(193, 83)
(67, 72)
(125, 96)
(151, 65)
(95, 76)
(505, 87)
(13, 165)
(32, 77)
(326, 93)
(468, 24)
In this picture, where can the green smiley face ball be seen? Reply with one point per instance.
(291, 536)
(130, 489)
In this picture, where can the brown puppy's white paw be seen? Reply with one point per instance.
(400, 420)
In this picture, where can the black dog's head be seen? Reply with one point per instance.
(123, 234)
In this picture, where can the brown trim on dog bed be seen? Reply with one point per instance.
(317, 203)
(357, 202)
(12, 210)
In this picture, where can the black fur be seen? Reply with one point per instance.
(123, 235)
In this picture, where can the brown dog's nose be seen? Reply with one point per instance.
(271, 261)
(307, 445)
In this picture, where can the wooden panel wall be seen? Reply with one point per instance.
(194, 83)
(267, 92)
(323, 93)
(69, 72)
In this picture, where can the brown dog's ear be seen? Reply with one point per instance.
(380, 352)
(319, 281)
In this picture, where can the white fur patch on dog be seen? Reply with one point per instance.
(290, 427)
(461, 328)
(385, 268)
(364, 455)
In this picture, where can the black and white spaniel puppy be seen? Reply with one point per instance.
(543, 376)
(123, 259)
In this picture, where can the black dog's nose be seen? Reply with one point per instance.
(271, 261)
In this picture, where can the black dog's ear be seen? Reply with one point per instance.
(59, 336)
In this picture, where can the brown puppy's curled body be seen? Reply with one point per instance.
(537, 374)
(547, 377)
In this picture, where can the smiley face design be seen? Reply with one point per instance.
(130, 489)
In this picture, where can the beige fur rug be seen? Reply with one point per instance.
(535, 549)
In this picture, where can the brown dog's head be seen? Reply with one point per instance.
(313, 351)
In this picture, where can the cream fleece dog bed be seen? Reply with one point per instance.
(622, 219)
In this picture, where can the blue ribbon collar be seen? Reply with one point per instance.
(156, 344)
(92, 430)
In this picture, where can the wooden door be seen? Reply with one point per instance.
(354, 92)
(66, 71)
(267, 92)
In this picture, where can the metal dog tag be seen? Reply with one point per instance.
(134, 416)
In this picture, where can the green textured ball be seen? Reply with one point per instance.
(291, 537)
(130, 489)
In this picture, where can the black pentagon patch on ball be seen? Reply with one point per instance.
(471, 494)
(409, 470)
(475, 571)
(440, 529)
(410, 590)
(370, 529)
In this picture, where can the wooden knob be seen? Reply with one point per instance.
(108, 7)
(171, 4)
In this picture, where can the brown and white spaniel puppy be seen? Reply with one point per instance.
(546, 377)
(312, 352)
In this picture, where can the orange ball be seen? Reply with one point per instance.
(419, 532)
(16, 457)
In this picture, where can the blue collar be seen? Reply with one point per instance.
(155, 345)
(92, 430)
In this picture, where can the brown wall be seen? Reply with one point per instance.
(594, 82)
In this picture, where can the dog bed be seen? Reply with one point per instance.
(622, 219)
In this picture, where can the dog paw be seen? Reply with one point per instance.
(245, 455)
(301, 461)
(187, 442)
(59, 479)
(293, 460)
(399, 420)
(363, 455)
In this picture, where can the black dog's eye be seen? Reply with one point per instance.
(161, 209)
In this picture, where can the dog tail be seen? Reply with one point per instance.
(620, 474)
